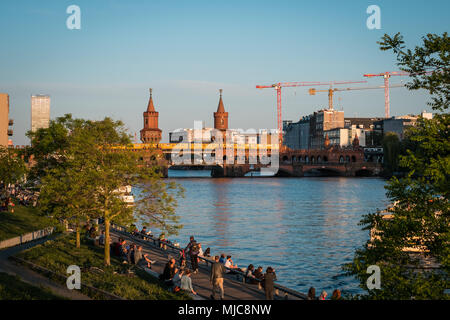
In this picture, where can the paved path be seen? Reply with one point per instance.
(34, 278)
(234, 290)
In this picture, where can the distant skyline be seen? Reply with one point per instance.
(187, 50)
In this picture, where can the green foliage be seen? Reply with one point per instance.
(58, 254)
(428, 65)
(12, 168)
(417, 235)
(12, 288)
(82, 165)
(23, 220)
(391, 149)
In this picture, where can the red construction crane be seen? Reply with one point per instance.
(279, 85)
(386, 76)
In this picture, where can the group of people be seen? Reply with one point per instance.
(131, 254)
(323, 295)
(177, 278)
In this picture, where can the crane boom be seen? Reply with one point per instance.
(279, 85)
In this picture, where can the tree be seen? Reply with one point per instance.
(391, 150)
(420, 215)
(12, 169)
(157, 202)
(83, 179)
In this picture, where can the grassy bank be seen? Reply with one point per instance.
(12, 288)
(56, 255)
(23, 220)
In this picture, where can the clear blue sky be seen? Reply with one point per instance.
(187, 50)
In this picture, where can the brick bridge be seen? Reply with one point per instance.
(331, 161)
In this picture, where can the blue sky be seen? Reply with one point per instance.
(187, 50)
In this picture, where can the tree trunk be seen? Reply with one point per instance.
(78, 237)
(107, 237)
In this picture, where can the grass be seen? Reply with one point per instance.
(56, 255)
(12, 288)
(23, 220)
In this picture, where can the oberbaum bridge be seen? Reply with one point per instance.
(228, 159)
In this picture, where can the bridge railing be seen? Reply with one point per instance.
(209, 261)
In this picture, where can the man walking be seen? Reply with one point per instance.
(216, 278)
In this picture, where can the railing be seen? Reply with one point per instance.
(45, 270)
(210, 261)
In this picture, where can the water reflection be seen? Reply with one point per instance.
(306, 228)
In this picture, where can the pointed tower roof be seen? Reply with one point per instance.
(150, 107)
(220, 108)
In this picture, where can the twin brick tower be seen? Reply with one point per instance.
(152, 134)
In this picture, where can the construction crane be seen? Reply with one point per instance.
(330, 91)
(386, 76)
(279, 85)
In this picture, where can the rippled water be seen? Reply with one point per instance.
(305, 228)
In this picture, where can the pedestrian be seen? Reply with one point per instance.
(269, 279)
(216, 278)
(194, 256)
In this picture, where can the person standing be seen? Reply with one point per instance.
(216, 278)
(312, 294)
(194, 257)
(269, 279)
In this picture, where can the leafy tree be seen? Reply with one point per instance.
(418, 231)
(12, 169)
(82, 179)
(391, 149)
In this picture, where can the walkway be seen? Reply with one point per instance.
(234, 290)
(32, 277)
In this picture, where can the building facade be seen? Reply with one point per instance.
(321, 121)
(151, 133)
(40, 112)
(5, 121)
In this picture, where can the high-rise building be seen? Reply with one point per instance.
(40, 112)
(151, 133)
(5, 122)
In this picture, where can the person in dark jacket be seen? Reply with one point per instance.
(169, 272)
(216, 278)
(194, 256)
(269, 279)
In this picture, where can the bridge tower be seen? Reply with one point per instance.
(151, 133)
(220, 116)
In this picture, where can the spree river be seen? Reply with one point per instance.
(305, 228)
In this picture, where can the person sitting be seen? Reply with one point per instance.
(162, 241)
(229, 263)
(101, 239)
(323, 295)
(186, 282)
(207, 253)
(249, 276)
(312, 294)
(259, 275)
(169, 272)
(145, 232)
(177, 278)
(222, 258)
(93, 232)
(336, 295)
(200, 250)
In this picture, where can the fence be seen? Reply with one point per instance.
(27, 237)
(209, 261)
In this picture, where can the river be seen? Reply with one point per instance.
(305, 228)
